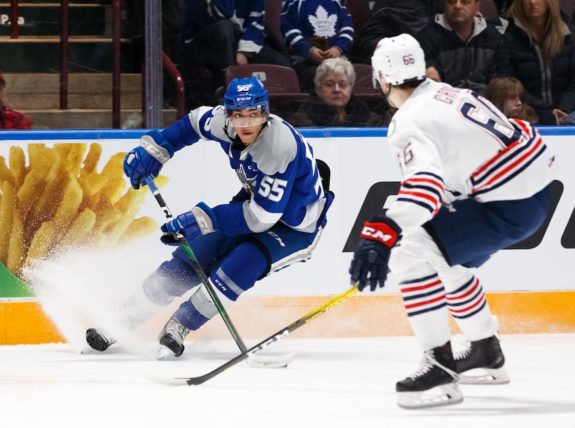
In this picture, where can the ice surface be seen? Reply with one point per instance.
(332, 383)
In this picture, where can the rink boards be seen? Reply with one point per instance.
(531, 288)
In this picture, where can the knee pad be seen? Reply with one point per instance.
(207, 249)
(239, 271)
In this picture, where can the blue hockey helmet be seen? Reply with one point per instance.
(247, 93)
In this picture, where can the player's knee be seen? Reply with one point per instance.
(403, 259)
(240, 270)
(173, 278)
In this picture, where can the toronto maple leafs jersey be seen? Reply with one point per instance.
(278, 172)
(454, 144)
(302, 19)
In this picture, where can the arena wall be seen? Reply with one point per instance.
(531, 288)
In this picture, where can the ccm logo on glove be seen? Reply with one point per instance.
(379, 232)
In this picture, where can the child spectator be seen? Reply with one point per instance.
(506, 93)
(9, 118)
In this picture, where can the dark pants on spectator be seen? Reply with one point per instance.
(214, 49)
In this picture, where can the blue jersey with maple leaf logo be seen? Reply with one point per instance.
(329, 19)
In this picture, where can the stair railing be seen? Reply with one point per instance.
(176, 76)
(171, 69)
(64, 49)
(13, 19)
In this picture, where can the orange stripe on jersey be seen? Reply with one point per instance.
(494, 159)
(518, 161)
(426, 180)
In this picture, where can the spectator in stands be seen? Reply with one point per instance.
(506, 93)
(333, 102)
(390, 18)
(315, 30)
(173, 23)
(502, 6)
(568, 12)
(10, 119)
(542, 54)
(466, 49)
(432, 71)
(220, 33)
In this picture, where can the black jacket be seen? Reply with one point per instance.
(315, 113)
(390, 18)
(546, 88)
(469, 64)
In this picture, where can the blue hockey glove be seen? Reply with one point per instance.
(148, 158)
(371, 256)
(199, 221)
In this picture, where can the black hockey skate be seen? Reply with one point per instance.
(482, 363)
(97, 340)
(434, 384)
(172, 337)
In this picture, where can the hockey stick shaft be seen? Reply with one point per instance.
(198, 268)
(273, 338)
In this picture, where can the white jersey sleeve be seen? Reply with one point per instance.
(422, 187)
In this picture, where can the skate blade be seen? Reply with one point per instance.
(88, 350)
(484, 377)
(441, 395)
(163, 353)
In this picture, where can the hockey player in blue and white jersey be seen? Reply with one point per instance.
(274, 221)
(473, 183)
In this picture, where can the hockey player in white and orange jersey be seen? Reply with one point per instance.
(473, 183)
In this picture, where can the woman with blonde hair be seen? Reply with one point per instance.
(507, 94)
(542, 55)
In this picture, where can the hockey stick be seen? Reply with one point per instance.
(197, 267)
(264, 343)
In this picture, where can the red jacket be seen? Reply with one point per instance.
(11, 119)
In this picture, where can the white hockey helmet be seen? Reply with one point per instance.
(397, 60)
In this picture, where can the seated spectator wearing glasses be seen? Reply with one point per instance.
(315, 30)
(506, 93)
(542, 56)
(9, 118)
(333, 102)
(466, 49)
